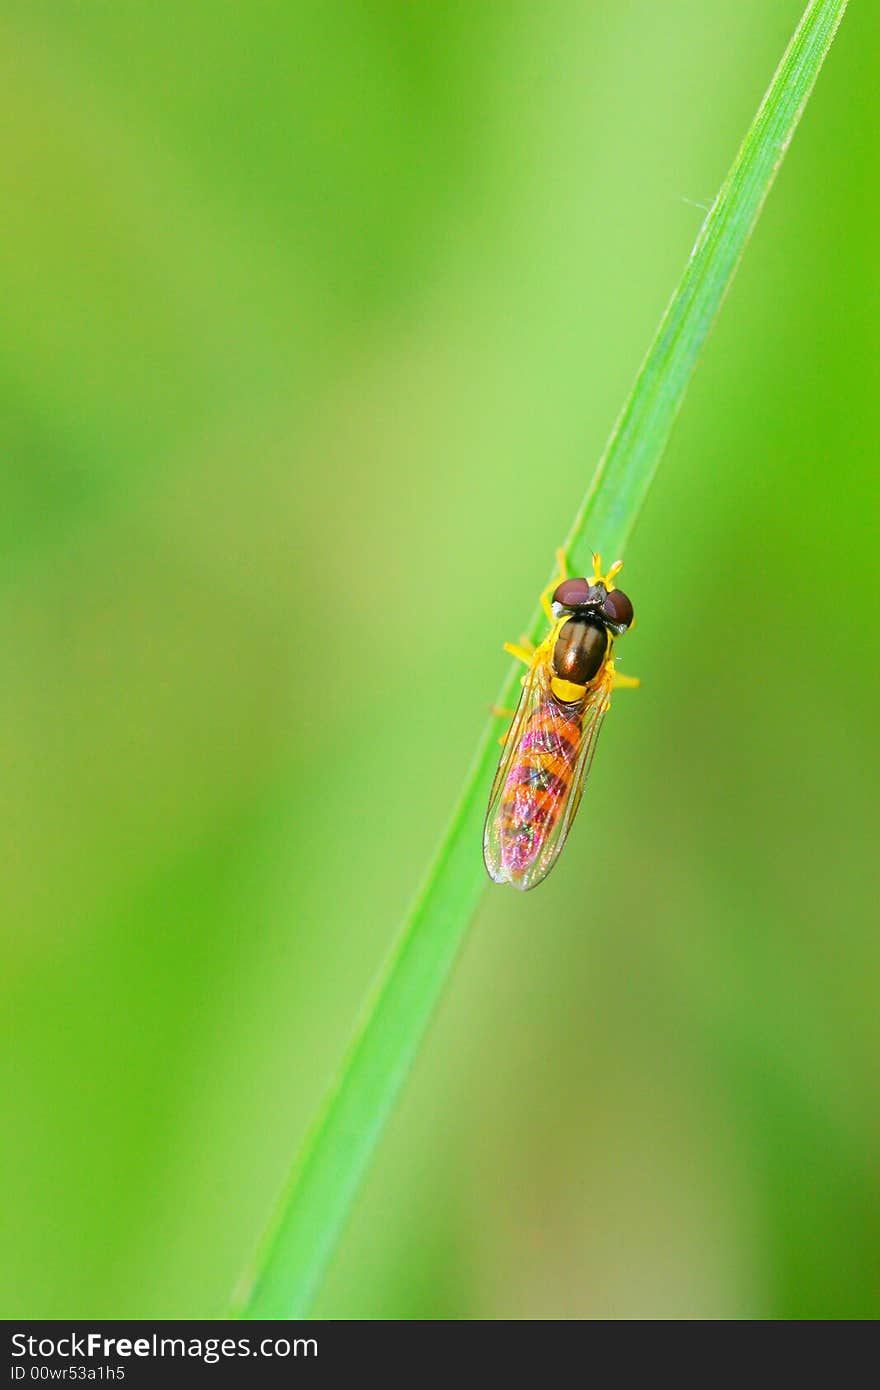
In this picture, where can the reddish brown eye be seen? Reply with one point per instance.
(577, 593)
(617, 610)
(572, 593)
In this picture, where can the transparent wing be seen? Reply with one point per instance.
(534, 686)
(540, 780)
(595, 709)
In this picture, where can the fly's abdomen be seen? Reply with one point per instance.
(539, 782)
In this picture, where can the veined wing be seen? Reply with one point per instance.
(540, 780)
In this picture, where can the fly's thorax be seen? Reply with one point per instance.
(580, 650)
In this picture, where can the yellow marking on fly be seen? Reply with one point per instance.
(567, 691)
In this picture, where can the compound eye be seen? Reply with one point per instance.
(574, 593)
(617, 610)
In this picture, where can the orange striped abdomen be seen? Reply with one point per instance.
(539, 781)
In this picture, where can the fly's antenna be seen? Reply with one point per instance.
(606, 579)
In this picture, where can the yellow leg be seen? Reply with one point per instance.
(563, 574)
(622, 682)
(521, 653)
(501, 713)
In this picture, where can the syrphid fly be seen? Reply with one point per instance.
(550, 744)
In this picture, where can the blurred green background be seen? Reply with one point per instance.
(315, 319)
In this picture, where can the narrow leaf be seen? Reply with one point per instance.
(328, 1172)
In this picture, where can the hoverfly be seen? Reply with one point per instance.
(549, 746)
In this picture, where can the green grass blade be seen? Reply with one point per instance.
(328, 1172)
